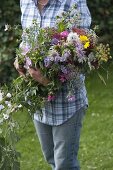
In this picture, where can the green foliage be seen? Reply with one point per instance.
(9, 14)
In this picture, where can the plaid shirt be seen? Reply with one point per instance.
(61, 109)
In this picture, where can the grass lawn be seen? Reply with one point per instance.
(96, 144)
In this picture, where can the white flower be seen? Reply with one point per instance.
(6, 102)
(19, 106)
(8, 95)
(7, 27)
(5, 116)
(73, 37)
(1, 107)
(9, 105)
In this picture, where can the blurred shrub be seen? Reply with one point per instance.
(9, 13)
(102, 15)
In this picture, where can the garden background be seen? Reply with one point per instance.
(96, 145)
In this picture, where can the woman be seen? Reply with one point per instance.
(59, 128)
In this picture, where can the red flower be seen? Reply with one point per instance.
(79, 31)
(57, 36)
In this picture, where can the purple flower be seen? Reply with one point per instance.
(55, 56)
(65, 56)
(57, 59)
(54, 41)
(28, 63)
(64, 69)
(47, 61)
(80, 50)
(62, 59)
(25, 50)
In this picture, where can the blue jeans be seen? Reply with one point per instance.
(60, 144)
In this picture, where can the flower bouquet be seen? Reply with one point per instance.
(62, 54)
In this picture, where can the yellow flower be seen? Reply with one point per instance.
(85, 41)
(84, 38)
(87, 44)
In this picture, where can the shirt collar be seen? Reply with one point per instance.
(36, 1)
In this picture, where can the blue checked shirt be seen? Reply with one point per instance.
(61, 109)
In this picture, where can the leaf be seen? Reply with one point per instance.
(102, 78)
(41, 65)
(61, 27)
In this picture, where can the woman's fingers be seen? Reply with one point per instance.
(16, 64)
(20, 70)
(38, 76)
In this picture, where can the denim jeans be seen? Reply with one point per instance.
(60, 144)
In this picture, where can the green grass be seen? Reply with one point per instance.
(96, 144)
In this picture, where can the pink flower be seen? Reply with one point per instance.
(64, 34)
(50, 98)
(71, 98)
(61, 35)
(63, 78)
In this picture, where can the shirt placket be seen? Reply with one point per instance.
(44, 12)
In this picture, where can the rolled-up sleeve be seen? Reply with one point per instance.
(85, 16)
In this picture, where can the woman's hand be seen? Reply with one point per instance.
(20, 70)
(37, 75)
